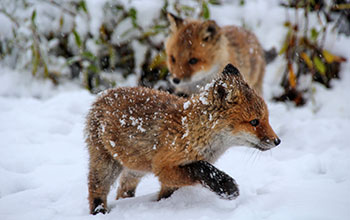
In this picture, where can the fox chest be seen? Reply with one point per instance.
(217, 146)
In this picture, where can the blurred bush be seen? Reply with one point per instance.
(55, 39)
(65, 40)
(303, 48)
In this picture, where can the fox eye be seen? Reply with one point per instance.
(193, 61)
(172, 58)
(254, 122)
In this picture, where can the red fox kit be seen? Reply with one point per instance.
(135, 131)
(197, 51)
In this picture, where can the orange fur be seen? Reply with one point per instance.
(138, 130)
(213, 47)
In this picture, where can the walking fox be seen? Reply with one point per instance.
(135, 131)
(197, 51)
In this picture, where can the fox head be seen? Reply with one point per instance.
(242, 114)
(191, 49)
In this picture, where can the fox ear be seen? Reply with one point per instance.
(223, 94)
(225, 89)
(209, 30)
(231, 70)
(219, 93)
(175, 21)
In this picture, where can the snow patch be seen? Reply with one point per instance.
(203, 100)
(112, 143)
(186, 105)
(186, 134)
(122, 122)
(140, 128)
(183, 120)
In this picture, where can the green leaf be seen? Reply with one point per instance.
(187, 8)
(119, 7)
(158, 61)
(72, 60)
(159, 27)
(92, 68)
(330, 58)
(314, 34)
(33, 17)
(88, 55)
(77, 38)
(149, 33)
(36, 59)
(133, 16)
(319, 65)
(165, 6)
(287, 24)
(46, 70)
(112, 56)
(284, 47)
(61, 22)
(206, 13)
(344, 6)
(215, 2)
(82, 5)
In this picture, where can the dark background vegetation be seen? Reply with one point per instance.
(63, 53)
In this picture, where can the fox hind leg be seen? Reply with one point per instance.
(128, 182)
(103, 171)
(166, 192)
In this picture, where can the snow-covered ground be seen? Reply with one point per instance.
(43, 159)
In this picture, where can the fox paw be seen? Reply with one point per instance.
(125, 194)
(214, 179)
(227, 189)
(99, 207)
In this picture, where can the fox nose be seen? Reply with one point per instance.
(277, 141)
(176, 80)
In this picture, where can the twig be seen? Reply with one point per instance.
(72, 13)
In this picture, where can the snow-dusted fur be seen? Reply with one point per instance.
(145, 130)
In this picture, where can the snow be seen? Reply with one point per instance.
(112, 143)
(122, 122)
(185, 135)
(186, 105)
(203, 100)
(7, 26)
(183, 120)
(44, 161)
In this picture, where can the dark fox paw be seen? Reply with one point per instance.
(99, 207)
(226, 188)
(214, 179)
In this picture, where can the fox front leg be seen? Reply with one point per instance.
(213, 178)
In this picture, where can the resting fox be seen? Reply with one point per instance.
(197, 51)
(135, 131)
